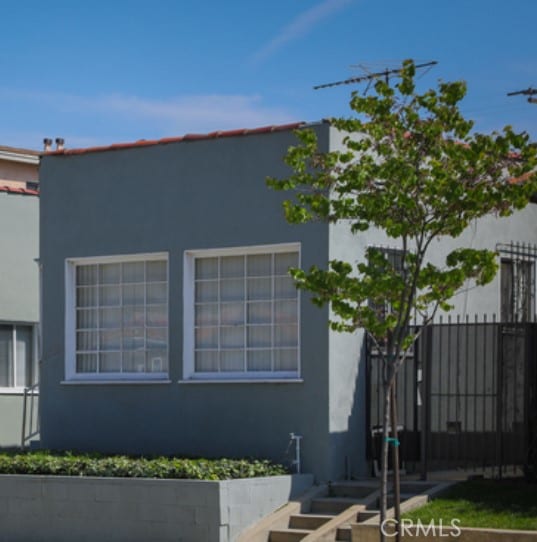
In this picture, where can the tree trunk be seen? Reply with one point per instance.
(384, 457)
(395, 460)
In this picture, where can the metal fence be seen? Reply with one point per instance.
(466, 396)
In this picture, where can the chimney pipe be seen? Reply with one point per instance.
(60, 143)
(47, 144)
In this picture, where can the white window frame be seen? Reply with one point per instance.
(70, 320)
(189, 372)
(35, 377)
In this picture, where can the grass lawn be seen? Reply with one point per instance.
(497, 504)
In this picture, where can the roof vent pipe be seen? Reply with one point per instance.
(60, 143)
(47, 144)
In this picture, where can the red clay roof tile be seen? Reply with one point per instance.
(187, 137)
(24, 191)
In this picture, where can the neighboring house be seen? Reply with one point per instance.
(19, 168)
(19, 293)
(170, 325)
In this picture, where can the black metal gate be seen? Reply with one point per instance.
(467, 398)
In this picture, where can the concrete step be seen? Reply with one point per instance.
(308, 521)
(404, 497)
(391, 500)
(331, 505)
(367, 514)
(288, 535)
(350, 490)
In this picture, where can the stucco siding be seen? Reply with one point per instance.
(17, 171)
(19, 297)
(171, 198)
(19, 249)
(487, 233)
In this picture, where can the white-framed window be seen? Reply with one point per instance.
(117, 317)
(18, 360)
(241, 313)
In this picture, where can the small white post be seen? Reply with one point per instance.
(297, 439)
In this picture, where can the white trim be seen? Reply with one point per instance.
(189, 374)
(188, 313)
(16, 391)
(35, 356)
(70, 319)
(28, 323)
(38, 325)
(21, 157)
(126, 382)
(13, 370)
(240, 251)
(118, 258)
(119, 377)
(71, 375)
(15, 358)
(243, 381)
(246, 375)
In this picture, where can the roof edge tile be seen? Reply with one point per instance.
(23, 191)
(185, 138)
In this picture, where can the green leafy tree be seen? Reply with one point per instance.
(412, 167)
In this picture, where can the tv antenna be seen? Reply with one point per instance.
(527, 92)
(371, 76)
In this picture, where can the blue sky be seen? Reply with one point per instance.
(103, 72)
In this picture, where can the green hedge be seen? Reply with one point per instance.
(120, 466)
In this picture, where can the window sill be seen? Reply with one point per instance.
(113, 382)
(17, 391)
(243, 381)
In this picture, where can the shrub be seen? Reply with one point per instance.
(121, 466)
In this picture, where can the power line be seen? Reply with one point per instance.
(369, 77)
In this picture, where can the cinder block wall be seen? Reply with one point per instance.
(63, 509)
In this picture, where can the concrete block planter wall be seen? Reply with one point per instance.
(62, 508)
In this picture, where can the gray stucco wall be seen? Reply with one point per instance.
(19, 248)
(12, 413)
(347, 419)
(19, 293)
(174, 197)
(59, 508)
